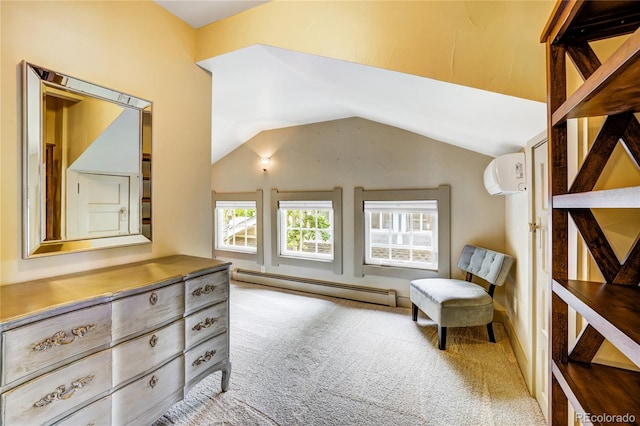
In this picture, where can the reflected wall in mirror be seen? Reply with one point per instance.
(87, 165)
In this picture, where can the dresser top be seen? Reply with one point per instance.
(54, 294)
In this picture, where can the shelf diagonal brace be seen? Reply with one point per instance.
(629, 273)
(631, 139)
(587, 62)
(584, 58)
(587, 345)
(597, 242)
(596, 160)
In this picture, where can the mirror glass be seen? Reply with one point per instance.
(87, 165)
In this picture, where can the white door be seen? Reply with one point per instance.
(103, 205)
(541, 274)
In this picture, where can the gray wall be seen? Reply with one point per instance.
(356, 152)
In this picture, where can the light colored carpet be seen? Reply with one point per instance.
(300, 359)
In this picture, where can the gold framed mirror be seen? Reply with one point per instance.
(87, 165)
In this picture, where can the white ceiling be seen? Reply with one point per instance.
(262, 87)
(199, 13)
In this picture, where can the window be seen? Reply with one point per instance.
(402, 233)
(307, 229)
(237, 225)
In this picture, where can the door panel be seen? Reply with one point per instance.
(103, 205)
(541, 273)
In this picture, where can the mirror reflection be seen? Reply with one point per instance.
(88, 165)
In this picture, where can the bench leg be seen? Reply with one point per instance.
(442, 337)
(492, 338)
(414, 312)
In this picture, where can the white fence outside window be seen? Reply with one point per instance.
(402, 233)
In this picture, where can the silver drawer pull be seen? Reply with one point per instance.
(206, 323)
(62, 392)
(61, 337)
(154, 381)
(206, 290)
(153, 341)
(153, 299)
(204, 358)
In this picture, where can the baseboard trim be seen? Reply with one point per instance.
(521, 357)
(309, 285)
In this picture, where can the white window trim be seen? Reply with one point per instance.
(300, 198)
(440, 194)
(402, 207)
(228, 204)
(285, 206)
(258, 255)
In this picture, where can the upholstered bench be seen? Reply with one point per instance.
(459, 303)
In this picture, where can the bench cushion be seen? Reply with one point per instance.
(452, 303)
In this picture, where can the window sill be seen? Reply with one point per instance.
(327, 265)
(237, 255)
(399, 272)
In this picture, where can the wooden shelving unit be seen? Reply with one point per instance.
(146, 195)
(612, 307)
(612, 89)
(621, 198)
(620, 387)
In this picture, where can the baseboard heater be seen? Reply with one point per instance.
(327, 288)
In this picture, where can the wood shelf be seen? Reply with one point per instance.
(573, 21)
(612, 89)
(620, 198)
(611, 309)
(586, 384)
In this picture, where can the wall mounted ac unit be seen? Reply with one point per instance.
(505, 174)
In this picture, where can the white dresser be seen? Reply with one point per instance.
(117, 346)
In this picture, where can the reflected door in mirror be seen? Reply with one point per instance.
(87, 165)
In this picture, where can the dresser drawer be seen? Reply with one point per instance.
(142, 312)
(146, 352)
(206, 289)
(97, 414)
(205, 355)
(55, 393)
(204, 324)
(138, 397)
(36, 346)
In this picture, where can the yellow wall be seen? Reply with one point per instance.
(491, 45)
(136, 47)
(96, 115)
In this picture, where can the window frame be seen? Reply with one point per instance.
(335, 196)
(442, 195)
(256, 197)
(316, 206)
(397, 225)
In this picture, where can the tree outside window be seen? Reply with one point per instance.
(307, 232)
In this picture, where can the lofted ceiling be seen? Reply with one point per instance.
(261, 87)
(199, 13)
